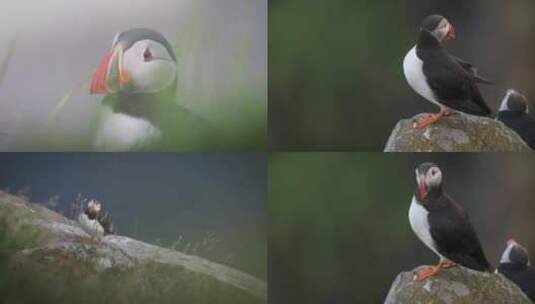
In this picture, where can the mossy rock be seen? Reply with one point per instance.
(457, 285)
(456, 133)
(47, 258)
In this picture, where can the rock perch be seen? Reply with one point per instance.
(457, 285)
(47, 258)
(456, 133)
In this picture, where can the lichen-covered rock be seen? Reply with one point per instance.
(47, 258)
(457, 285)
(456, 133)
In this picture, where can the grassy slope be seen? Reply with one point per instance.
(61, 278)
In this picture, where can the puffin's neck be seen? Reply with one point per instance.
(432, 194)
(146, 106)
(512, 266)
(426, 40)
(510, 114)
(90, 215)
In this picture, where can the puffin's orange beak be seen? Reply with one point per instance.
(421, 187)
(451, 33)
(110, 76)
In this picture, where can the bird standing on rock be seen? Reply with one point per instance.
(442, 225)
(441, 78)
(94, 222)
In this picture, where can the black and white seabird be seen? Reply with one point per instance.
(94, 222)
(139, 78)
(441, 78)
(442, 225)
(515, 265)
(514, 114)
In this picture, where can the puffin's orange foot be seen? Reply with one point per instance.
(446, 264)
(423, 274)
(429, 120)
(431, 271)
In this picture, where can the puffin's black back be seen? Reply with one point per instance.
(522, 276)
(521, 123)
(454, 235)
(451, 83)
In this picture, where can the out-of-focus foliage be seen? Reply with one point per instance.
(339, 229)
(335, 67)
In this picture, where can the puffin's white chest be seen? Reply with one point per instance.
(413, 70)
(121, 132)
(92, 227)
(420, 225)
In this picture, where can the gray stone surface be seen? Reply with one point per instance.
(457, 285)
(45, 246)
(456, 133)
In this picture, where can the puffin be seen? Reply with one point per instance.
(443, 225)
(514, 113)
(515, 266)
(439, 77)
(140, 110)
(94, 222)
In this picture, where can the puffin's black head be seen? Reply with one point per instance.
(440, 27)
(515, 254)
(429, 180)
(515, 102)
(141, 61)
(93, 209)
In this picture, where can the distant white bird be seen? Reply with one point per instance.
(93, 221)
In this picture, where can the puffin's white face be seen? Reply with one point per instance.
(94, 206)
(505, 256)
(520, 251)
(439, 27)
(442, 30)
(432, 178)
(150, 66)
(514, 101)
(145, 67)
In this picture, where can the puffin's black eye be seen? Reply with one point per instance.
(147, 55)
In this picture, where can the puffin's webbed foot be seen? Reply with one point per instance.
(431, 271)
(430, 119)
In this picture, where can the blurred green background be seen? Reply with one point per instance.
(335, 67)
(339, 229)
(47, 59)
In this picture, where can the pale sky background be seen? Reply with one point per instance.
(221, 45)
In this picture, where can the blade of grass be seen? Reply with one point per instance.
(7, 59)
(64, 99)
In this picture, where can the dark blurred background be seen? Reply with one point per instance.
(335, 67)
(210, 205)
(339, 230)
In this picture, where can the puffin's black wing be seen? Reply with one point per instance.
(472, 70)
(454, 87)
(455, 237)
